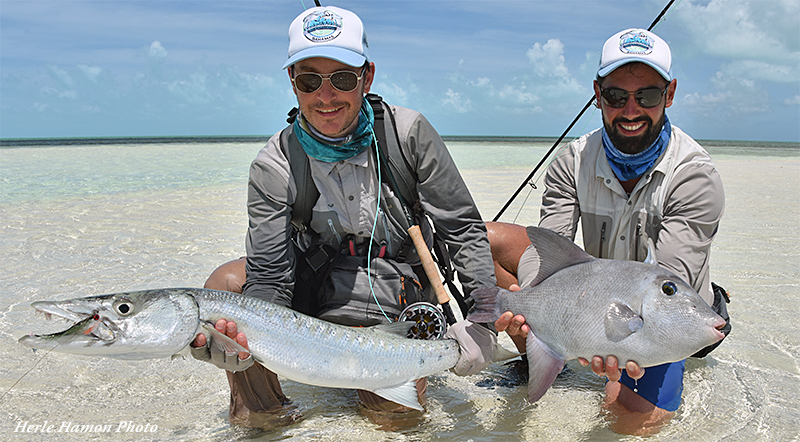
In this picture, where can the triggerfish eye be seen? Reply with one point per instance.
(669, 288)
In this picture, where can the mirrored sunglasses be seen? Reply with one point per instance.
(343, 81)
(646, 98)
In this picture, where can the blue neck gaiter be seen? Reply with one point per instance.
(329, 150)
(627, 167)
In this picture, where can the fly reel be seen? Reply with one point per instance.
(429, 321)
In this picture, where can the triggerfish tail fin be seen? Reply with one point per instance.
(405, 395)
(543, 367)
(485, 309)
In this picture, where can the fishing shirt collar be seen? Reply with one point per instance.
(626, 166)
(331, 150)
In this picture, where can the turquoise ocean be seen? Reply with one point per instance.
(84, 217)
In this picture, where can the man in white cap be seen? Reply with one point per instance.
(323, 197)
(637, 178)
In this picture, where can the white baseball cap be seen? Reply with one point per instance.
(328, 32)
(636, 45)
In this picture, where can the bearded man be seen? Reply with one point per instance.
(637, 178)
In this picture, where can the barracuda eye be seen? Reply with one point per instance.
(123, 307)
(669, 288)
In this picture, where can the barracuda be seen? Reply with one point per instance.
(153, 324)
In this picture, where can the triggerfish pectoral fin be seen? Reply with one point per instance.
(621, 321)
(543, 367)
(405, 395)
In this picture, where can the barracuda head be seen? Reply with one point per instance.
(135, 325)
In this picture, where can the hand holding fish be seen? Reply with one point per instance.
(202, 348)
(476, 345)
(514, 325)
(610, 368)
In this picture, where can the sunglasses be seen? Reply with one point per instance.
(646, 98)
(343, 81)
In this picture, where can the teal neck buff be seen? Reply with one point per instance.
(331, 150)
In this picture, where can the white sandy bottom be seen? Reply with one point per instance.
(746, 390)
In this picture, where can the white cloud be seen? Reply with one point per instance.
(92, 72)
(391, 91)
(751, 47)
(62, 75)
(548, 80)
(457, 101)
(735, 95)
(744, 29)
(482, 82)
(792, 101)
(761, 70)
(519, 95)
(157, 51)
(548, 59)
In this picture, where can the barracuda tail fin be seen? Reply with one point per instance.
(405, 395)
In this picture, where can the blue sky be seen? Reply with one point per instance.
(517, 67)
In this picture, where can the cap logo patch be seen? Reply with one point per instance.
(322, 26)
(636, 43)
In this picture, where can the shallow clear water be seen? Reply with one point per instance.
(85, 220)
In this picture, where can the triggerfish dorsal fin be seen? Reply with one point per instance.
(551, 252)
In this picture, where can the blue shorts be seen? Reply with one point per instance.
(661, 385)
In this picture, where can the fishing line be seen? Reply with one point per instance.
(374, 225)
(29, 370)
(532, 184)
(35, 365)
(580, 114)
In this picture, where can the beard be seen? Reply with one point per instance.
(637, 144)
